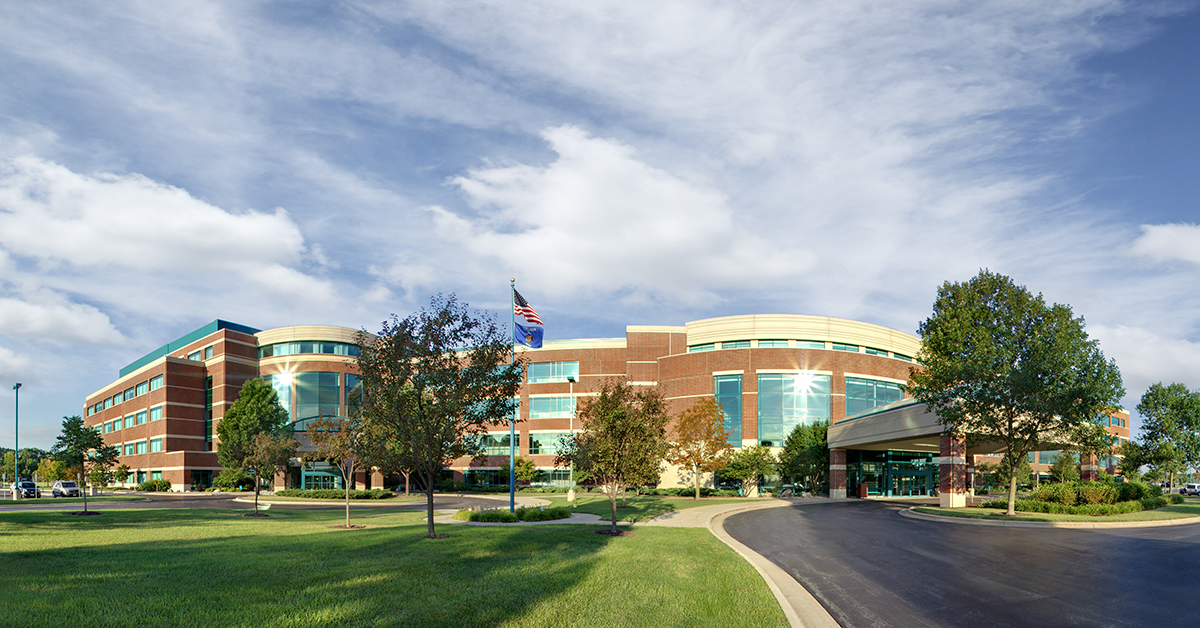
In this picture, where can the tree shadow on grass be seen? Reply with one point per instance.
(202, 568)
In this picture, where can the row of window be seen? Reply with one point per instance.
(796, 344)
(541, 443)
(307, 346)
(1114, 421)
(154, 383)
(154, 445)
(137, 477)
(1047, 457)
(137, 418)
(315, 394)
(201, 355)
(786, 400)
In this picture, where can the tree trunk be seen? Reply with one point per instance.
(429, 503)
(696, 477)
(612, 500)
(348, 475)
(82, 483)
(406, 474)
(257, 486)
(1012, 490)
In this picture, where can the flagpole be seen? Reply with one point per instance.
(512, 424)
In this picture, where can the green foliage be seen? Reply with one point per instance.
(155, 485)
(1170, 435)
(232, 478)
(747, 464)
(805, 455)
(623, 439)
(431, 382)
(1093, 493)
(684, 491)
(1063, 468)
(83, 445)
(525, 472)
(504, 516)
(335, 493)
(543, 514)
(254, 433)
(1118, 508)
(701, 443)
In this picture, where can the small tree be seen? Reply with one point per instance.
(343, 442)
(1000, 365)
(1131, 461)
(805, 454)
(432, 381)
(257, 411)
(121, 473)
(701, 440)
(1064, 467)
(524, 473)
(623, 440)
(84, 445)
(747, 464)
(1170, 433)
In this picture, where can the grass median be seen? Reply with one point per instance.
(217, 568)
(639, 508)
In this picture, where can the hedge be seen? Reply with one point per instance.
(335, 493)
(504, 516)
(1054, 508)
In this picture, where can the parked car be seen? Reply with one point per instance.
(28, 489)
(66, 488)
(1190, 489)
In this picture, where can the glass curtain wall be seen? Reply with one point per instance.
(786, 400)
(728, 391)
(891, 473)
(863, 394)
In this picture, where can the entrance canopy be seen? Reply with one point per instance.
(903, 425)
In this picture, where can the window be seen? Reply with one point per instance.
(901, 356)
(208, 352)
(837, 346)
(353, 389)
(544, 372)
(545, 443)
(870, 351)
(130, 421)
(130, 394)
(156, 413)
(786, 400)
(551, 407)
(107, 427)
(141, 417)
(91, 410)
(156, 382)
(141, 446)
(142, 388)
(141, 477)
(116, 425)
(864, 394)
(728, 391)
(108, 403)
(495, 444)
(736, 344)
(698, 348)
(129, 449)
(155, 445)
(317, 395)
(811, 344)
(194, 356)
(765, 344)
(156, 475)
(307, 346)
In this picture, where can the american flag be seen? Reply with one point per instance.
(521, 307)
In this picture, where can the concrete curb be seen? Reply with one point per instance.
(799, 606)
(1084, 525)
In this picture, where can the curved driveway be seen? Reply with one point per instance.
(868, 566)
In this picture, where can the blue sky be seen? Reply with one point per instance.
(629, 163)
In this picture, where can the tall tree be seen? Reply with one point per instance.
(805, 454)
(432, 382)
(82, 445)
(747, 464)
(1002, 366)
(344, 442)
(256, 412)
(701, 442)
(1170, 433)
(622, 441)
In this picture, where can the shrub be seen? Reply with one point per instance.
(1119, 508)
(335, 493)
(494, 516)
(154, 485)
(1063, 493)
(1095, 493)
(543, 514)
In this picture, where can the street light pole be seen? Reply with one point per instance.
(571, 488)
(16, 443)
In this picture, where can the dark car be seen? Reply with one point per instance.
(28, 489)
(66, 488)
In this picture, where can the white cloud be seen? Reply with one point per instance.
(13, 365)
(49, 316)
(1171, 242)
(1146, 357)
(597, 220)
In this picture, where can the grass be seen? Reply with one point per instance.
(640, 508)
(50, 501)
(175, 567)
(1190, 508)
(399, 499)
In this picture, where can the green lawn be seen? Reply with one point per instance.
(399, 499)
(50, 501)
(1190, 508)
(640, 508)
(159, 567)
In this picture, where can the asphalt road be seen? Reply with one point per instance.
(870, 567)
